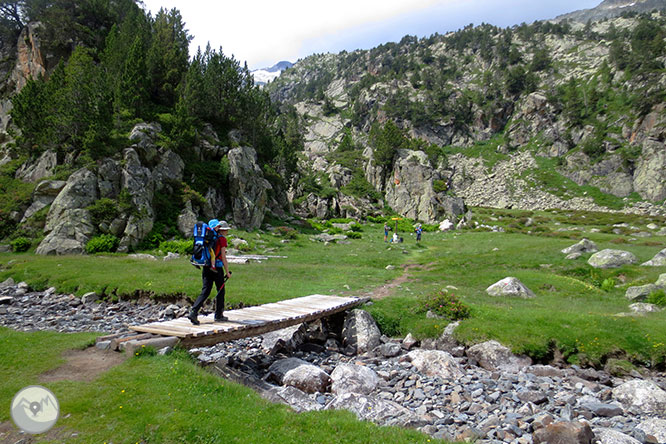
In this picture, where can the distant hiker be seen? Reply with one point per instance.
(418, 230)
(386, 231)
(395, 239)
(217, 273)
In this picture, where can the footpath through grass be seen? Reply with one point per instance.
(168, 399)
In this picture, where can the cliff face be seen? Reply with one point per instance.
(493, 116)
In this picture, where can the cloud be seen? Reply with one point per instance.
(267, 31)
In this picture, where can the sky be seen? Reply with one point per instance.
(264, 32)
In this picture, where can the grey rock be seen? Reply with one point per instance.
(644, 396)
(655, 428)
(641, 307)
(661, 281)
(138, 181)
(436, 363)
(43, 167)
(612, 259)
(650, 174)
(640, 293)
(492, 356)
(510, 286)
(308, 378)
(613, 436)
(375, 409)
(349, 378)
(360, 331)
(170, 167)
(602, 409)
(584, 246)
(298, 400)
(657, 261)
(248, 188)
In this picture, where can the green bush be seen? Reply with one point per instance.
(353, 235)
(444, 304)
(183, 247)
(20, 244)
(105, 243)
(286, 232)
(608, 284)
(103, 210)
(657, 298)
(439, 186)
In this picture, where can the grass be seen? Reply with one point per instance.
(169, 399)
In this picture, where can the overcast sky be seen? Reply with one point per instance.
(264, 32)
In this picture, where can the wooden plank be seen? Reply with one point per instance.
(162, 331)
(115, 343)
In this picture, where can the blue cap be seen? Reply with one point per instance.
(213, 223)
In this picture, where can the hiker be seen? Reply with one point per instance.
(418, 230)
(217, 273)
(395, 239)
(386, 231)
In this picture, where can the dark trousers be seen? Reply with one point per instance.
(210, 277)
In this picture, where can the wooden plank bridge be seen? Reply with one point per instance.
(242, 323)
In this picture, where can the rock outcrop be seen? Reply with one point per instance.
(248, 188)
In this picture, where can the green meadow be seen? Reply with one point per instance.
(579, 316)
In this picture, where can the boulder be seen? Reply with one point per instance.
(186, 220)
(298, 400)
(79, 192)
(108, 178)
(289, 338)
(650, 173)
(492, 356)
(414, 196)
(43, 167)
(349, 378)
(44, 194)
(640, 293)
(658, 260)
(436, 363)
(643, 396)
(307, 378)
(564, 432)
(661, 281)
(510, 286)
(300, 374)
(612, 436)
(169, 168)
(611, 259)
(144, 135)
(652, 429)
(360, 331)
(641, 307)
(377, 410)
(138, 181)
(584, 246)
(446, 225)
(248, 188)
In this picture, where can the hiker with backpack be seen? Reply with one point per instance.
(210, 253)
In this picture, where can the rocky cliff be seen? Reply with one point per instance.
(493, 116)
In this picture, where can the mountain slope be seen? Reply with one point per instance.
(533, 116)
(613, 8)
(265, 75)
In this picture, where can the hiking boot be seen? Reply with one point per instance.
(221, 319)
(193, 318)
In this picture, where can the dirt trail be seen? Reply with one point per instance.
(387, 289)
(83, 365)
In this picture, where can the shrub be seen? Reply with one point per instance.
(444, 304)
(103, 210)
(439, 186)
(286, 232)
(183, 247)
(20, 244)
(608, 284)
(106, 243)
(657, 298)
(353, 235)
